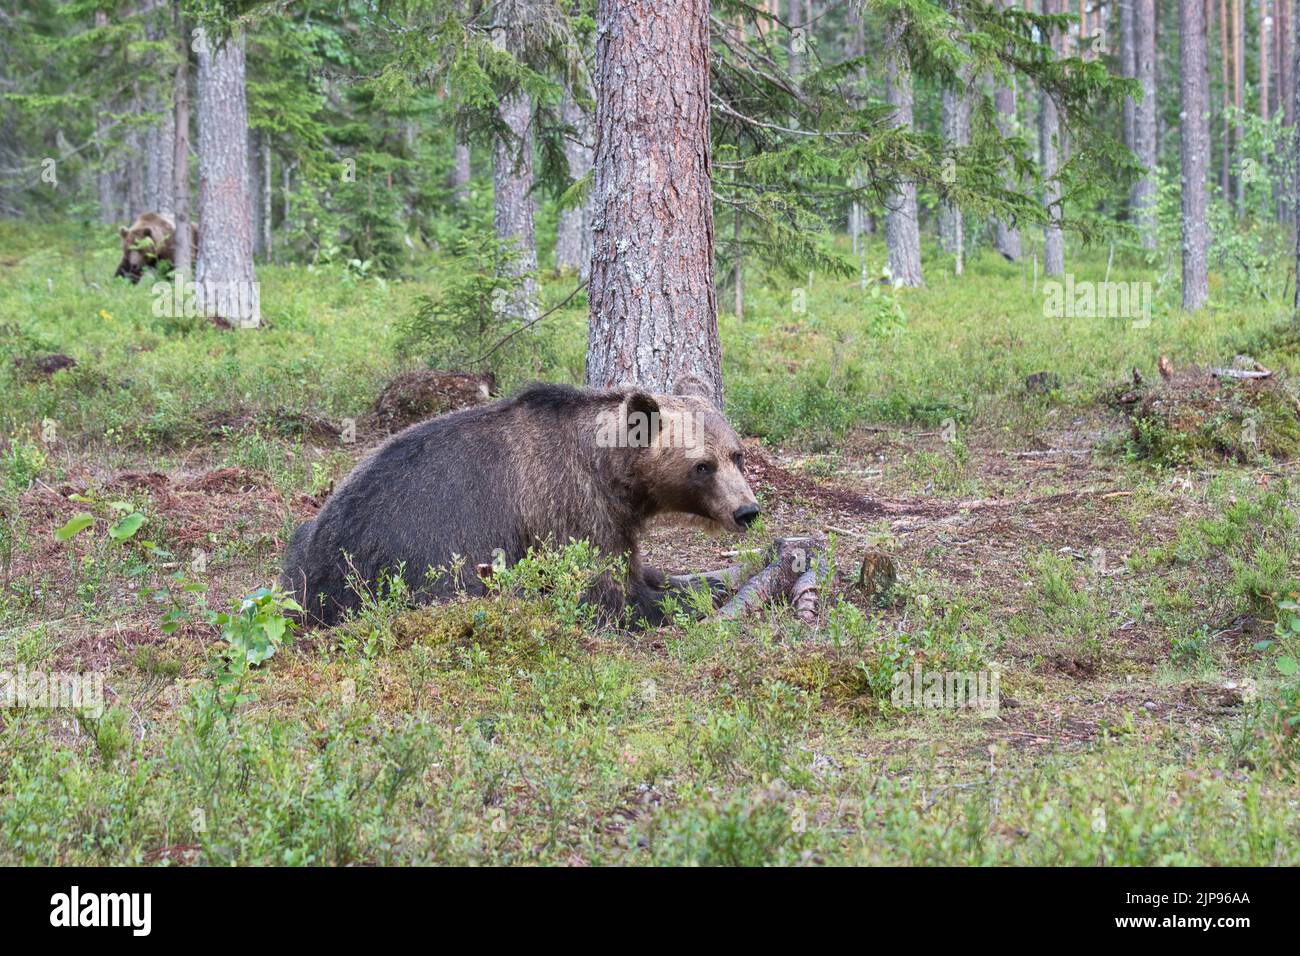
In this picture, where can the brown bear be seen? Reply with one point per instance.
(551, 464)
(147, 242)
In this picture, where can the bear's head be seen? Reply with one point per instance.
(139, 249)
(690, 460)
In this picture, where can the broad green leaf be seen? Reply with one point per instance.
(126, 527)
(77, 524)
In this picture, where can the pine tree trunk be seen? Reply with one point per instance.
(227, 287)
(104, 183)
(160, 147)
(857, 49)
(654, 311)
(1293, 103)
(1143, 196)
(1128, 66)
(902, 230)
(1265, 77)
(460, 173)
(512, 178)
(1194, 150)
(1286, 92)
(135, 162)
(286, 192)
(182, 245)
(738, 267)
(160, 153)
(1048, 133)
(1006, 237)
(1289, 72)
(794, 20)
(266, 197)
(955, 119)
(255, 188)
(1238, 87)
(1225, 62)
(573, 231)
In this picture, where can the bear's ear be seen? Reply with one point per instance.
(641, 418)
(121, 231)
(692, 385)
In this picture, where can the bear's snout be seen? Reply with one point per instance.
(745, 515)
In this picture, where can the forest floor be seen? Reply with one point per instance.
(1117, 576)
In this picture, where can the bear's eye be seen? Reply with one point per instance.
(704, 468)
(739, 459)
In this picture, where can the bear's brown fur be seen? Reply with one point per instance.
(551, 464)
(147, 242)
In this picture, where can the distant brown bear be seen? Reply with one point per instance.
(146, 243)
(552, 463)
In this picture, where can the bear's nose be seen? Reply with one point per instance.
(745, 515)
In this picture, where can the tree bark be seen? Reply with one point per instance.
(104, 179)
(227, 289)
(857, 50)
(255, 189)
(1048, 133)
(1265, 76)
(1286, 64)
(954, 117)
(1143, 195)
(159, 147)
(460, 173)
(1287, 91)
(160, 154)
(1194, 150)
(738, 266)
(794, 20)
(182, 245)
(135, 161)
(1128, 66)
(902, 230)
(266, 196)
(1294, 105)
(512, 180)
(573, 231)
(1238, 83)
(1006, 237)
(653, 303)
(1225, 134)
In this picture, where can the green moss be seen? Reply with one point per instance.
(504, 632)
(1205, 420)
(837, 680)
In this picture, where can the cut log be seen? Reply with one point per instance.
(791, 560)
(805, 594)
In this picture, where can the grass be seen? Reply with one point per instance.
(1124, 599)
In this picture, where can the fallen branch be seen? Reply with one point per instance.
(1240, 373)
(721, 582)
